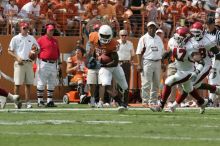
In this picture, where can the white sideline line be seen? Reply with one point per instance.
(90, 109)
(58, 122)
(172, 137)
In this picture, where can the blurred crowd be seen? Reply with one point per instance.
(77, 17)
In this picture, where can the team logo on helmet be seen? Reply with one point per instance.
(105, 34)
(197, 30)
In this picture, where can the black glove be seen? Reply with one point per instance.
(92, 63)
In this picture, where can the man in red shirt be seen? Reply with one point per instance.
(47, 66)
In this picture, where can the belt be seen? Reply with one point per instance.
(48, 61)
(28, 60)
(154, 60)
(124, 61)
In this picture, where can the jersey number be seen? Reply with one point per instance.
(179, 54)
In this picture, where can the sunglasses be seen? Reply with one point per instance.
(25, 28)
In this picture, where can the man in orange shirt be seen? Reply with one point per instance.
(188, 12)
(174, 14)
(106, 9)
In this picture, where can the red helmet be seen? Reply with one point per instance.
(182, 35)
(197, 30)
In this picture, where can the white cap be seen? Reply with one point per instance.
(165, 4)
(151, 23)
(159, 30)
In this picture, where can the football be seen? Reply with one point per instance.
(104, 59)
(32, 55)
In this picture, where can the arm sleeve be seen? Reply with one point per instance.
(140, 46)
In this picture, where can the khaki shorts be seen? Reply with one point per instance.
(23, 74)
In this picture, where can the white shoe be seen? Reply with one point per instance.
(100, 104)
(3, 101)
(29, 105)
(92, 102)
(122, 109)
(171, 109)
(106, 105)
(17, 102)
(202, 107)
(156, 108)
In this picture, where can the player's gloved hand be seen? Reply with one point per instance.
(213, 73)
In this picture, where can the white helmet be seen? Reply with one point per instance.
(105, 34)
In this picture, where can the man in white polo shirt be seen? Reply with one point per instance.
(149, 52)
(20, 47)
(125, 54)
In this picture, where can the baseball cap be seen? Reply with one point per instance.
(159, 31)
(50, 27)
(210, 20)
(24, 24)
(123, 32)
(151, 23)
(165, 4)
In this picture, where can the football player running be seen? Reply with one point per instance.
(104, 45)
(207, 48)
(186, 54)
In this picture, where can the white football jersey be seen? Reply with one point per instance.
(183, 54)
(205, 44)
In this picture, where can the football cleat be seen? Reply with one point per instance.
(171, 109)
(156, 108)
(122, 109)
(202, 107)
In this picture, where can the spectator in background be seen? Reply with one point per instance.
(48, 66)
(188, 12)
(20, 47)
(2, 20)
(92, 9)
(11, 11)
(125, 53)
(149, 50)
(120, 10)
(151, 11)
(137, 7)
(106, 9)
(30, 12)
(162, 18)
(60, 16)
(174, 15)
(201, 12)
(21, 3)
(72, 21)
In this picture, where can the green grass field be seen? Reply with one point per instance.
(76, 125)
